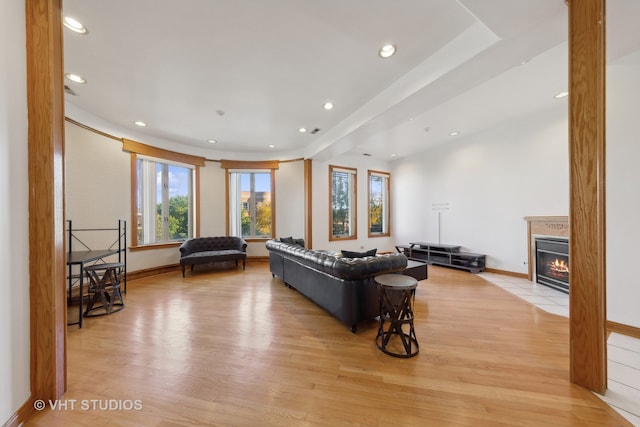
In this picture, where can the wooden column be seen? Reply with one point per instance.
(46, 198)
(308, 203)
(587, 194)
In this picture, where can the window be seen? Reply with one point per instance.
(164, 188)
(250, 204)
(379, 203)
(164, 201)
(251, 198)
(343, 211)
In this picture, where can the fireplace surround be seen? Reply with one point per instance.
(550, 228)
(552, 262)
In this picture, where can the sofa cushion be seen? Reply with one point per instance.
(203, 256)
(352, 254)
(292, 241)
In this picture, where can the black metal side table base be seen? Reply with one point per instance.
(397, 295)
(409, 343)
(104, 289)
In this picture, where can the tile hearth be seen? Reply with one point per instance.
(623, 393)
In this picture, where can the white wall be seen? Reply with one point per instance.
(320, 197)
(483, 186)
(97, 182)
(14, 226)
(212, 200)
(623, 197)
(289, 201)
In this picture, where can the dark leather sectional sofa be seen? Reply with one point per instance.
(342, 286)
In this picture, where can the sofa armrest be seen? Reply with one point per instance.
(184, 248)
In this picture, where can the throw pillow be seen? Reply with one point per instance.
(352, 254)
(288, 240)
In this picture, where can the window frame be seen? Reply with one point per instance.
(386, 210)
(232, 166)
(353, 204)
(137, 149)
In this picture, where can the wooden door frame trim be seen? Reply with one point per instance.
(45, 106)
(308, 203)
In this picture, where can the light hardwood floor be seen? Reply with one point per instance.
(228, 347)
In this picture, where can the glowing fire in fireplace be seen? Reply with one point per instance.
(559, 267)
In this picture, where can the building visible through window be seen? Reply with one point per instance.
(250, 213)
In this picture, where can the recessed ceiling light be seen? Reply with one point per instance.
(271, 146)
(561, 95)
(387, 51)
(140, 123)
(393, 154)
(328, 105)
(302, 130)
(454, 133)
(75, 78)
(212, 141)
(74, 25)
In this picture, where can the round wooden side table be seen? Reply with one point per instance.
(396, 334)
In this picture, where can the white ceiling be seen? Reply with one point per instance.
(269, 65)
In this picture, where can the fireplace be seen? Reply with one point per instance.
(552, 262)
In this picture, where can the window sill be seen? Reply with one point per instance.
(256, 239)
(380, 235)
(336, 238)
(155, 246)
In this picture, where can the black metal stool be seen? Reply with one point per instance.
(397, 294)
(104, 287)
